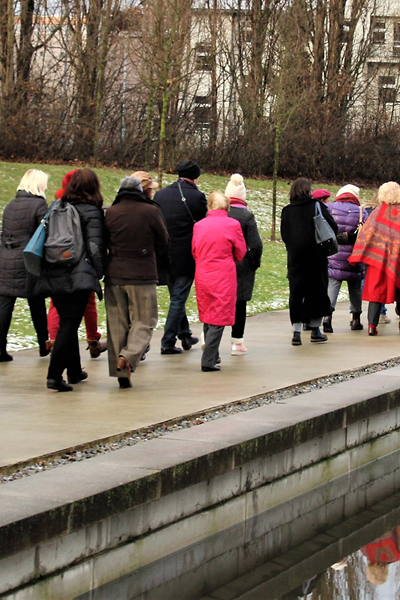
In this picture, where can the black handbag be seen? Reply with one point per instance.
(324, 234)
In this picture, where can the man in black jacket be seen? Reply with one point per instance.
(182, 205)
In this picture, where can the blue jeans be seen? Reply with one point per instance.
(177, 324)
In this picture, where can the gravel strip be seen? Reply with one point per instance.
(155, 431)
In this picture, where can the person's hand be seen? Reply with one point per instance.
(343, 238)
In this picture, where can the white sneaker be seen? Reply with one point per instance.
(384, 320)
(238, 350)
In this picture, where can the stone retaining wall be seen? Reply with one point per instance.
(177, 506)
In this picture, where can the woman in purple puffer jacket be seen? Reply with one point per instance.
(348, 214)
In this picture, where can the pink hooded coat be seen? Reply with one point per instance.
(217, 243)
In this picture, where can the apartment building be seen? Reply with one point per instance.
(380, 80)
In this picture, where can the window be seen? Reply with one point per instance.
(387, 89)
(202, 111)
(346, 31)
(203, 57)
(396, 39)
(378, 31)
(246, 31)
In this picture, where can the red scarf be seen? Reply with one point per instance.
(378, 243)
(238, 203)
(348, 198)
(189, 181)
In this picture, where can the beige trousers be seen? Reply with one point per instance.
(131, 317)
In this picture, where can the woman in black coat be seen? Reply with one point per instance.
(307, 262)
(246, 268)
(20, 219)
(70, 286)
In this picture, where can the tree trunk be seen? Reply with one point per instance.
(149, 128)
(161, 143)
(278, 134)
(102, 63)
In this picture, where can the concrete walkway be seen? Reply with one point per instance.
(38, 422)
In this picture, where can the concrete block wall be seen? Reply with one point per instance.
(212, 500)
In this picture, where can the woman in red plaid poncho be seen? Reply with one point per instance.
(378, 246)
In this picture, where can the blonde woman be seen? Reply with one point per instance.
(378, 246)
(217, 245)
(20, 219)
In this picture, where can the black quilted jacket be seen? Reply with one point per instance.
(20, 219)
(85, 275)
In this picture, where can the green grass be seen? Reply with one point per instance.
(271, 288)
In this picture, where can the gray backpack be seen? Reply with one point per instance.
(64, 241)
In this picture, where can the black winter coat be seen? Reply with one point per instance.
(180, 224)
(307, 262)
(246, 268)
(85, 275)
(20, 219)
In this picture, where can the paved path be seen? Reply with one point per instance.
(35, 421)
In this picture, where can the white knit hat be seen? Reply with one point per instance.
(236, 187)
(349, 189)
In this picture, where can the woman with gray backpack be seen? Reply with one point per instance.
(69, 279)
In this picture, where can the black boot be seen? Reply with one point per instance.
(4, 356)
(317, 336)
(188, 341)
(296, 339)
(59, 386)
(356, 324)
(327, 325)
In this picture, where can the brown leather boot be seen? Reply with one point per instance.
(96, 347)
(356, 324)
(50, 345)
(125, 368)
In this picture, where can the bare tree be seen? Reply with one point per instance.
(163, 56)
(26, 28)
(87, 42)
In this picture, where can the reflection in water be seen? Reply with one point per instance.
(372, 573)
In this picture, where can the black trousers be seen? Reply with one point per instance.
(65, 353)
(374, 312)
(37, 306)
(240, 320)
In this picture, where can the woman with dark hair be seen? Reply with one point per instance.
(70, 286)
(307, 262)
(95, 346)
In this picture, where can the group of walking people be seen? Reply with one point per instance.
(135, 244)
(368, 258)
(180, 237)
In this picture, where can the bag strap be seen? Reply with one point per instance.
(185, 203)
(46, 216)
(318, 210)
(360, 217)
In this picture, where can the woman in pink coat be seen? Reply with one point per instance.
(217, 243)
